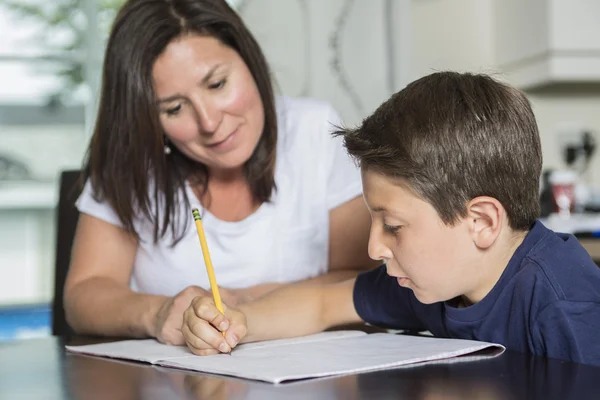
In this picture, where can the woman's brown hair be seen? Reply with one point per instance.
(125, 161)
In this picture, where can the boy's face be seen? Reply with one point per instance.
(434, 260)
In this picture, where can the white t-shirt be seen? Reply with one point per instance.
(284, 240)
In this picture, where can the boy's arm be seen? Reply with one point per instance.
(299, 310)
(294, 310)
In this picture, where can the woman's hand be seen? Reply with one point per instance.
(203, 325)
(168, 319)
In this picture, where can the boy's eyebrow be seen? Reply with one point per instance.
(205, 79)
(393, 213)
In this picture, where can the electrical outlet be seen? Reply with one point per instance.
(576, 146)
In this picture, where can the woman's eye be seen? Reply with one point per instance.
(173, 110)
(217, 85)
(391, 229)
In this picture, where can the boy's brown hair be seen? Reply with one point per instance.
(453, 137)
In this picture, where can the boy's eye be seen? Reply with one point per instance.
(391, 228)
(173, 110)
(217, 85)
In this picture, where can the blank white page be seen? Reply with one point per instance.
(147, 350)
(324, 354)
(151, 351)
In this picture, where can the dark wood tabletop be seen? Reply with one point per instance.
(41, 369)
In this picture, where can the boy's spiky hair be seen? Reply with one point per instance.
(452, 137)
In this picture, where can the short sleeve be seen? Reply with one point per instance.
(343, 175)
(568, 330)
(380, 301)
(87, 204)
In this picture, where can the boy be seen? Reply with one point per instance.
(450, 169)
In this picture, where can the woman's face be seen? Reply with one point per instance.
(208, 101)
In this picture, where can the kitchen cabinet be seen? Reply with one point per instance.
(540, 43)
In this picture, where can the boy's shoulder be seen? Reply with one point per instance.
(557, 268)
(558, 290)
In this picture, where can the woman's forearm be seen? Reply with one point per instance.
(100, 306)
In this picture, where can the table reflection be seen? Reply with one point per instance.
(39, 369)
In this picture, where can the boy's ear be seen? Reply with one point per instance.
(485, 217)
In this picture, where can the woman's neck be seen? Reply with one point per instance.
(228, 195)
(227, 176)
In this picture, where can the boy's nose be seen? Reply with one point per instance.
(377, 249)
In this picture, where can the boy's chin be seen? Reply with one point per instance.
(427, 298)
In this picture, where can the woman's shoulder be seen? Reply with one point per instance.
(304, 119)
(304, 109)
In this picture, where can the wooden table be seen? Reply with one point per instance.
(40, 369)
(592, 246)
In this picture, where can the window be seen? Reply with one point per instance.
(50, 65)
(50, 60)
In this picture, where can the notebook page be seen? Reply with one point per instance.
(148, 350)
(151, 351)
(332, 357)
(333, 335)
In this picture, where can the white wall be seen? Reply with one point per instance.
(297, 38)
(335, 50)
(452, 35)
(567, 110)
(459, 35)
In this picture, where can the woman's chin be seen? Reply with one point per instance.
(229, 162)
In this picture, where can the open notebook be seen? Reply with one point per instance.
(319, 355)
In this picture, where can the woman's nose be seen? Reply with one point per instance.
(209, 116)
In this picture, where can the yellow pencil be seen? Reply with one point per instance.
(209, 268)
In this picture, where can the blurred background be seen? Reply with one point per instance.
(353, 53)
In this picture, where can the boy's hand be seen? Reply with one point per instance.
(203, 324)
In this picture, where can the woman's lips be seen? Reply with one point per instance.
(223, 143)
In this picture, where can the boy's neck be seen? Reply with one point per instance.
(493, 264)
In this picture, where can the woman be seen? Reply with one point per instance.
(187, 119)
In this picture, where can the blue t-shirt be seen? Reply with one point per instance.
(547, 302)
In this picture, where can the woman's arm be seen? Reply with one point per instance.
(98, 299)
(97, 295)
(349, 226)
